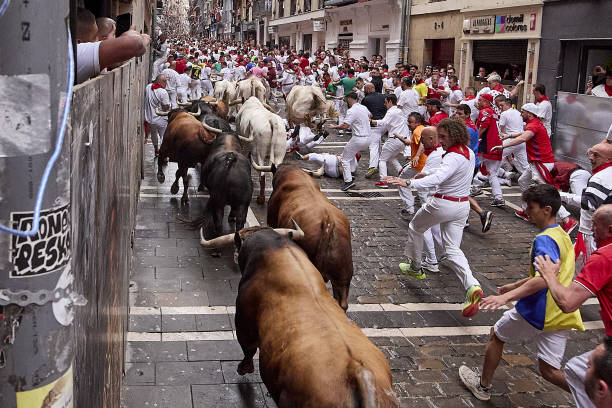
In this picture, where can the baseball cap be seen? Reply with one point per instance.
(487, 97)
(532, 108)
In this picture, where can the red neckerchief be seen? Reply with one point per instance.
(463, 150)
(608, 89)
(156, 86)
(469, 97)
(428, 151)
(327, 83)
(456, 88)
(499, 88)
(604, 243)
(351, 75)
(600, 168)
(542, 98)
(420, 82)
(470, 123)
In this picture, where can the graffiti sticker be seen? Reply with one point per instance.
(44, 252)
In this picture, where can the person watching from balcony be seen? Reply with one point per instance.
(94, 55)
(603, 90)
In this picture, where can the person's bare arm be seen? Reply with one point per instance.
(417, 156)
(527, 288)
(517, 140)
(514, 92)
(117, 50)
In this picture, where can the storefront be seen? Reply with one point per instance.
(506, 41)
(304, 31)
(432, 38)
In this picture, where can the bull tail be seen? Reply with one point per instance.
(271, 142)
(365, 385)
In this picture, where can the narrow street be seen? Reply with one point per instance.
(182, 352)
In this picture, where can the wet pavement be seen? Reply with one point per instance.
(182, 350)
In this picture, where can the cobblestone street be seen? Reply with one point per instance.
(182, 352)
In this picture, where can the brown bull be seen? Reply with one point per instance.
(310, 354)
(327, 230)
(185, 142)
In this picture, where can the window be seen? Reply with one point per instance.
(292, 6)
(281, 8)
(307, 5)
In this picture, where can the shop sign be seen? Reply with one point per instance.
(511, 23)
(318, 25)
(482, 24)
(272, 29)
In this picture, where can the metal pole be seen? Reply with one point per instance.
(36, 299)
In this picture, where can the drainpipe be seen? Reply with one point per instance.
(405, 27)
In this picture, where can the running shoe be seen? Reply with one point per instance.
(430, 267)
(371, 171)
(406, 214)
(485, 218)
(522, 215)
(406, 269)
(472, 297)
(475, 191)
(381, 184)
(347, 186)
(569, 225)
(471, 379)
(498, 202)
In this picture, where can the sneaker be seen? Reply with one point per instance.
(569, 225)
(471, 379)
(358, 156)
(498, 202)
(371, 171)
(341, 132)
(381, 184)
(505, 182)
(406, 215)
(347, 185)
(485, 218)
(475, 191)
(472, 297)
(522, 215)
(324, 134)
(406, 269)
(430, 267)
(467, 224)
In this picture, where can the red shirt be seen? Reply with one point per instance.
(433, 94)
(437, 118)
(304, 63)
(487, 119)
(539, 147)
(596, 276)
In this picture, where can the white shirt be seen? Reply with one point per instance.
(433, 163)
(88, 61)
(240, 72)
(454, 97)
(309, 80)
(394, 122)
(409, 101)
(227, 74)
(545, 114)
(398, 92)
(205, 73)
(155, 99)
(511, 122)
(452, 178)
(473, 109)
(600, 91)
(163, 50)
(173, 78)
(358, 117)
(184, 81)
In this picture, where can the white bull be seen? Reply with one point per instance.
(226, 91)
(266, 131)
(251, 87)
(305, 102)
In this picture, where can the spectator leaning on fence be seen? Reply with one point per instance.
(94, 55)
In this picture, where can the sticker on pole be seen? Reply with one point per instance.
(44, 252)
(58, 394)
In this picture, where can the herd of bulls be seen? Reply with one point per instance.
(310, 353)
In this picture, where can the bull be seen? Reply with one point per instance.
(186, 142)
(266, 131)
(225, 91)
(327, 240)
(310, 354)
(252, 86)
(303, 103)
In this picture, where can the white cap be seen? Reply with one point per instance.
(532, 108)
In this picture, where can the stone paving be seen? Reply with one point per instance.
(182, 351)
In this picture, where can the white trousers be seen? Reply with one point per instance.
(391, 149)
(375, 136)
(181, 95)
(575, 373)
(492, 167)
(451, 216)
(406, 193)
(157, 133)
(502, 175)
(517, 156)
(196, 90)
(341, 107)
(330, 163)
(349, 161)
(207, 88)
(157, 67)
(172, 95)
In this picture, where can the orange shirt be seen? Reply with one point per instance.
(415, 140)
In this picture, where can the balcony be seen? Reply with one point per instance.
(338, 3)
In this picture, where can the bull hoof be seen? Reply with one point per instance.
(245, 367)
(160, 177)
(261, 200)
(185, 200)
(174, 188)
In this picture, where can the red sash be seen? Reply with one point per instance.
(544, 172)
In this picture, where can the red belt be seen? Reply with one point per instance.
(451, 198)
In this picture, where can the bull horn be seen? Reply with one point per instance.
(184, 104)
(196, 113)
(211, 129)
(294, 233)
(236, 101)
(215, 103)
(160, 113)
(219, 242)
(260, 168)
(246, 139)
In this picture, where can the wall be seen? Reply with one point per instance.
(106, 154)
(433, 26)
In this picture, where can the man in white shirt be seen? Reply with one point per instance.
(172, 83)
(449, 207)
(453, 95)
(357, 118)
(494, 88)
(156, 99)
(408, 101)
(470, 100)
(184, 83)
(308, 79)
(226, 72)
(543, 103)
(511, 123)
(205, 82)
(161, 53)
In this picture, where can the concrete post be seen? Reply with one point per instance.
(36, 303)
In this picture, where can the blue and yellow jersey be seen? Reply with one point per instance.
(540, 309)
